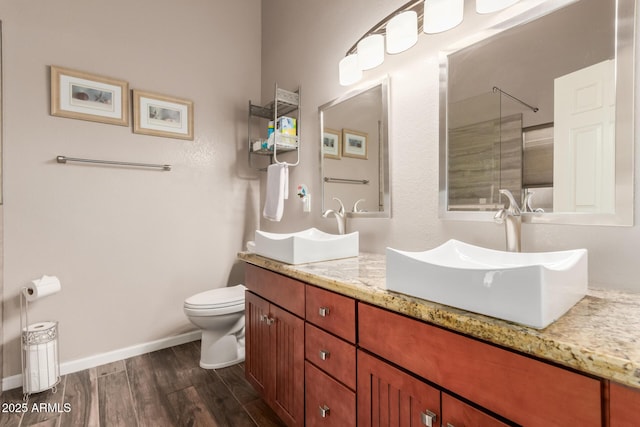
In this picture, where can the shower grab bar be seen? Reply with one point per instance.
(64, 159)
(534, 109)
(346, 180)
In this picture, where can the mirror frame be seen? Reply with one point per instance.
(384, 83)
(625, 132)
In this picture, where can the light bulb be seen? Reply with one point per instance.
(442, 15)
(402, 32)
(371, 51)
(349, 71)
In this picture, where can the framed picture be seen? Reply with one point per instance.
(84, 96)
(162, 115)
(354, 144)
(331, 144)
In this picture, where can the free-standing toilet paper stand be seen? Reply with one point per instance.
(40, 356)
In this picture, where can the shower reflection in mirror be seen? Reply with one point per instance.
(551, 122)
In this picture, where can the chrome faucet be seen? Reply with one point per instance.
(527, 206)
(512, 220)
(357, 208)
(341, 218)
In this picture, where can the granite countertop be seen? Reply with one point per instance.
(599, 336)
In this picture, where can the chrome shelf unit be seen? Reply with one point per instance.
(285, 103)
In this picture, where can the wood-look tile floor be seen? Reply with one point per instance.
(163, 388)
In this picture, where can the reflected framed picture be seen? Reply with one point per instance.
(331, 143)
(354, 144)
(161, 115)
(85, 96)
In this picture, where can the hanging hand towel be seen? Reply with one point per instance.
(277, 191)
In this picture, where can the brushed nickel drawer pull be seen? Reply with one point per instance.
(324, 411)
(323, 311)
(324, 354)
(428, 418)
(266, 319)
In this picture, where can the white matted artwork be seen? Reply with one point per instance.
(354, 144)
(331, 144)
(85, 96)
(162, 115)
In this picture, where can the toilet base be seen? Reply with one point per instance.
(222, 352)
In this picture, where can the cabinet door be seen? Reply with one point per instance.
(287, 334)
(328, 402)
(456, 413)
(257, 364)
(624, 406)
(389, 397)
(519, 388)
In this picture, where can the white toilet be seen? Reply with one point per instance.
(220, 315)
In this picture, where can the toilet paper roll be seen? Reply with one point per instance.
(40, 345)
(42, 366)
(42, 287)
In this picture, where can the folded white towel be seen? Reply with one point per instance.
(277, 191)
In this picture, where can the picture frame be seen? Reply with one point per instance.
(331, 143)
(162, 115)
(85, 96)
(354, 144)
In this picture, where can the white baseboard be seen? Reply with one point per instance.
(15, 381)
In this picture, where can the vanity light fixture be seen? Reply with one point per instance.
(349, 70)
(371, 51)
(401, 30)
(442, 15)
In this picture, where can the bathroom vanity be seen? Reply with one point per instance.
(328, 345)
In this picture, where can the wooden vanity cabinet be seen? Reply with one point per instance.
(330, 351)
(274, 311)
(389, 396)
(319, 358)
(456, 413)
(331, 312)
(624, 406)
(521, 389)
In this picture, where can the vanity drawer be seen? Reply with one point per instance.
(281, 290)
(327, 402)
(457, 413)
(624, 406)
(331, 354)
(332, 312)
(517, 387)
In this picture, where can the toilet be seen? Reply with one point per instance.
(220, 315)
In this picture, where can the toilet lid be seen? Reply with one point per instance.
(217, 298)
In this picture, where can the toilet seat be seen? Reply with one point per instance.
(216, 301)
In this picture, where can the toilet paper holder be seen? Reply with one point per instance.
(39, 352)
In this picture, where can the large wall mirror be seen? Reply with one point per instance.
(545, 109)
(354, 151)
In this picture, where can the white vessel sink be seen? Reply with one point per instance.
(532, 289)
(305, 246)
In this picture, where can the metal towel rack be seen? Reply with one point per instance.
(64, 159)
(346, 180)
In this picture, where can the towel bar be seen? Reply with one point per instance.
(64, 159)
(346, 180)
